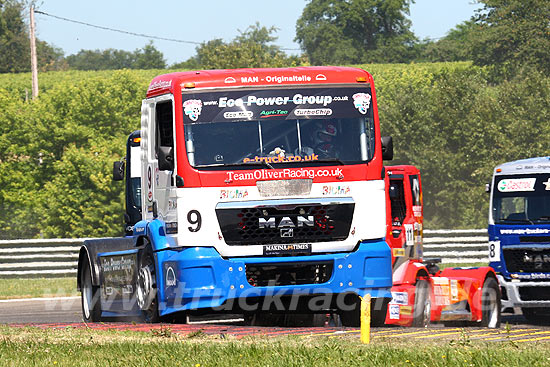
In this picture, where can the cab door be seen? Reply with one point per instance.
(157, 126)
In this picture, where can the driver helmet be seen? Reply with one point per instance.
(323, 137)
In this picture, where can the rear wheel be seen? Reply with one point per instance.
(91, 304)
(490, 303)
(422, 304)
(147, 286)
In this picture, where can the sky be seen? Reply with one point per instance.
(200, 21)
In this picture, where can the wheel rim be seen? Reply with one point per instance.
(493, 312)
(427, 311)
(144, 291)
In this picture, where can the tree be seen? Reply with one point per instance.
(147, 57)
(15, 45)
(455, 46)
(251, 48)
(356, 31)
(513, 33)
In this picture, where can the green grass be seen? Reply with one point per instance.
(37, 287)
(82, 347)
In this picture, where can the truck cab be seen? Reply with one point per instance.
(519, 235)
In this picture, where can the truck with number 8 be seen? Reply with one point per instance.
(519, 235)
(258, 191)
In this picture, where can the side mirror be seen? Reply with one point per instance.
(387, 148)
(488, 188)
(118, 171)
(165, 157)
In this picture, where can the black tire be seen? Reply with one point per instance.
(490, 303)
(89, 295)
(352, 318)
(422, 304)
(146, 287)
(536, 315)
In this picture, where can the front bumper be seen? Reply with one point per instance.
(199, 278)
(514, 293)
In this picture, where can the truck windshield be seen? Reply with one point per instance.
(277, 126)
(521, 199)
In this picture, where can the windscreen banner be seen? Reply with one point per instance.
(258, 104)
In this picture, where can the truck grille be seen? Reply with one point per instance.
(534, 293)
(527, 260)
(282, 274)
(285, 223)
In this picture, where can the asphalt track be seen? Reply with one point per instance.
(65, 312)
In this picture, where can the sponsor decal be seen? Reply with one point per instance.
(117, 263)
(538, 260)
(299, 248)
(361, 101)
(160, 84)
(441, 291)
(139, 230)
(525, 231)
(233, 194)
(406, 310)
(312, 112)
(238, 115)
(287, 232)
(547, 184)
(230, 80)
(321, 77)
(335, 190)
(398, 252)
(171, 280)
(400, 298)
(394, 312)
(172, 204)
(535, 276)
(273, 113)
(417, 211)
(281, 158)
(297, 99)
(171, 227)
(454, 290)
(516, 184)
(192, 108)
(284, 174)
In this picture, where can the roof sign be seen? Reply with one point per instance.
(517, 184)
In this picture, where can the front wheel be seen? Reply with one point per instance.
(490, 303)
(91, 304)
(422, 304)
(146, 291)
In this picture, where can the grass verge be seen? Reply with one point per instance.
(11, 288)
(82, 347)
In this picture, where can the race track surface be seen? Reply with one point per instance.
(65, 312)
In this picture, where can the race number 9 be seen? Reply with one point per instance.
(194, 218)
(494, 250)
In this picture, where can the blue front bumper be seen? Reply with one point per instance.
(199, 278)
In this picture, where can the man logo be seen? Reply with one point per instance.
(170, 277)
(287, 232)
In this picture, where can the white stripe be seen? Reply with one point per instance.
(39, 299)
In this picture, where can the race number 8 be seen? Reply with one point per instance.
(494, 250)
(194, 218)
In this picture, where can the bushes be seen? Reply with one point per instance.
(449, 119)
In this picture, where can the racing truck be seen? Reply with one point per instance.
(519, 235)
(421, 292)
(257, 191)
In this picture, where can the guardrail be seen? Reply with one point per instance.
(59, 257)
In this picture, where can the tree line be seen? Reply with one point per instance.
(508, 33)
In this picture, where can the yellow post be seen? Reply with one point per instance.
(365, 319)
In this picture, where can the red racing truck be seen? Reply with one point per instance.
(258, 191)
(422, 293)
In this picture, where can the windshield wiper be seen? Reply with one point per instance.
(251, 163)
(330, 160)
(516, 220)
(544, 217)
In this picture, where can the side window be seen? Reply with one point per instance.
(397, 202)
(164, 132)
(415, 190)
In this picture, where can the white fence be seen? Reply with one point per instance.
(59, 257)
